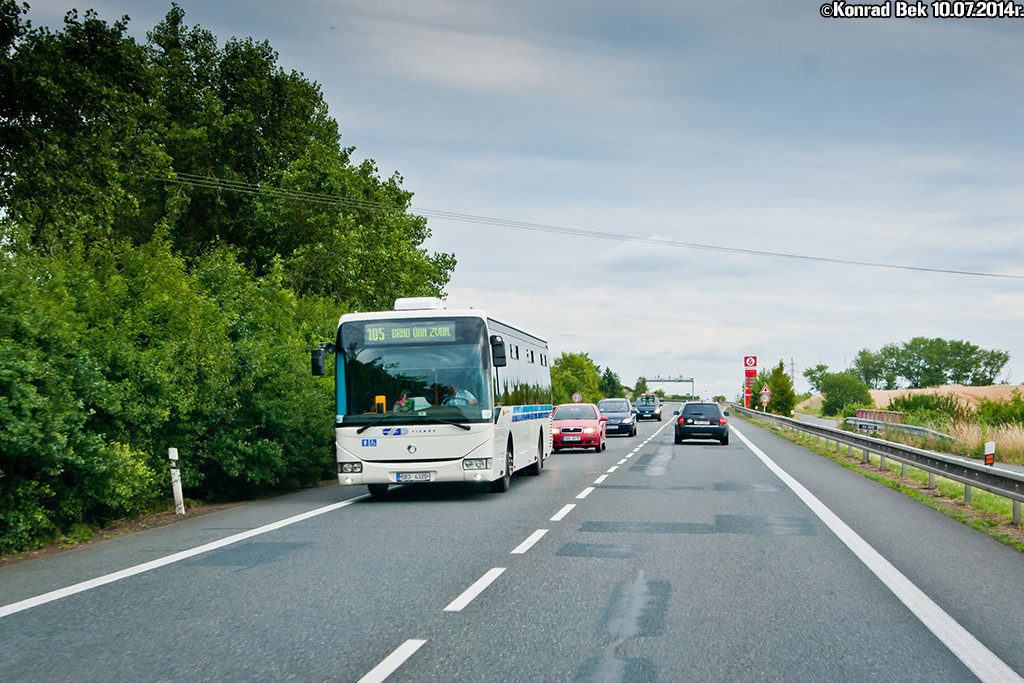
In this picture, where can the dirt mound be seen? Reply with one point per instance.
(969, 396)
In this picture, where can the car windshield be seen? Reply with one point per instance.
(702, 410)
(614, 406)
(574, 413)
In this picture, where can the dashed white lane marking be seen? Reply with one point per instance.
(476, 589)
(560, 515)
(601, 479)
(584, 493)
(528, 543)
(392, 661)
(978, 658)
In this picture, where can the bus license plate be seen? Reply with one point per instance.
(571, 438)
(413, 476)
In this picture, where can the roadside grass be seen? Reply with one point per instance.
(986, 512)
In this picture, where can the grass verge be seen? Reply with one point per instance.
(986, 512)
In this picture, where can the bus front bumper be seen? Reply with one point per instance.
(467, 469)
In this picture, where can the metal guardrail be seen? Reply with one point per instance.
(880, 425)
(1003, 482)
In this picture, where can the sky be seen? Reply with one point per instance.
(692, 134)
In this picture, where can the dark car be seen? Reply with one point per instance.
(648, 407)
(702, 420)
(578, 425)
(621, 415)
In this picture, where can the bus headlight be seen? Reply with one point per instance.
(350, 467)
(476, 464)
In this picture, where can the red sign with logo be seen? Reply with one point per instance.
(750, 361)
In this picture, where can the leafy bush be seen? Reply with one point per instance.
(112, 355)
(1001, 412)
(851, 409)
(928, 409)
(840, 389)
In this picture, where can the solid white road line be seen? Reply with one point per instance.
(392, 661)
(476, 589)
(528, 543)
(29, 603)
(978, 658)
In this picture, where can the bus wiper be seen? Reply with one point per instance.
(449, 422)
(374, 423)
(430, 419)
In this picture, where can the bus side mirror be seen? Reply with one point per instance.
(498, 351)
(318, 358)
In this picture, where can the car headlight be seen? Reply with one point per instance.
(589, 430)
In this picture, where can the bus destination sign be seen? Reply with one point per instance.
(409, 332)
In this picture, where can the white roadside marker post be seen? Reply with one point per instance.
(179, 502)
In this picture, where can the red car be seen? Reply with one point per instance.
(578, 425)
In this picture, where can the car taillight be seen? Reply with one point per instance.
(721, 420)
(681, 420)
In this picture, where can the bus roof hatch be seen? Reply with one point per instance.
(419, 303)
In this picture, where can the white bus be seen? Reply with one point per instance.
(427, 394)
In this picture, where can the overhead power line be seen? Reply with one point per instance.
(213, 183)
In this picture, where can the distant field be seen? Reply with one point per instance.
(969, 396)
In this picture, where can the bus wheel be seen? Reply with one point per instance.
(536, 467)
(378, 489)
(501, 484)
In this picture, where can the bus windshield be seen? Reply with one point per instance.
(413, 370)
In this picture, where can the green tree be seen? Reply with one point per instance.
(870, 368)
(572, 373)
(990, 363)
(181, 140)
(78, 132)
(610, 384)
(923, 362)
(783, 397)
(640, 387)
(814, 375)
(889, 356)
(840, 389)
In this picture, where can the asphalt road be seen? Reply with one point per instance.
(647, 562)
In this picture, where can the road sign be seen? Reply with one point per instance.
(750, 361)
(766, 390)
(577, 397)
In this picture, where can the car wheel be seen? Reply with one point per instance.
(378, 490)
(679, 439)
(724, 440)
